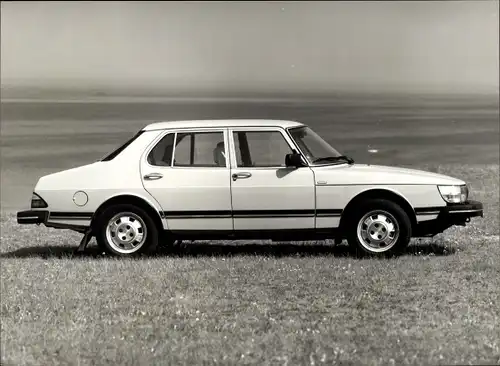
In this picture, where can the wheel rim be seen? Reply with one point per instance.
(378, 231)
(126, 232)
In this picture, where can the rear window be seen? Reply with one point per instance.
(115, 153)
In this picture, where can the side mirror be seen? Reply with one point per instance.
(293, 160)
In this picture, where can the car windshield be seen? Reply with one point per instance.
(316, 150)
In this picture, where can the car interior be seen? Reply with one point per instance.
(219, 155)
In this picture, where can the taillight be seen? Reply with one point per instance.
(38, 202)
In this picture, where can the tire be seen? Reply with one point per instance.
(130, 223)
(378, 227)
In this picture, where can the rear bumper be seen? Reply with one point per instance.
(32, 217)
(57, 220)
(447, 216)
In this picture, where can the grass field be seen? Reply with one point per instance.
(256, 302)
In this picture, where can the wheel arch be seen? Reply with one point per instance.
(378, 193)
(130, 199)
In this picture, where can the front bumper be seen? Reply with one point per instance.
(462, 211)
(448, 216)
(32, 217)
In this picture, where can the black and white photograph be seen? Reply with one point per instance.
(249, 182)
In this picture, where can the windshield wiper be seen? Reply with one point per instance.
(334, 158)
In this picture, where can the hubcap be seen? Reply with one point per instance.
(378, 231)
(126, 232)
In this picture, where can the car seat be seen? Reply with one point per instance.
(167, 156)
(219, 154)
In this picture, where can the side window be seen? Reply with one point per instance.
(200, 149)
(260, 148)
(161, 155)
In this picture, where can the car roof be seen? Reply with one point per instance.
(206, 123)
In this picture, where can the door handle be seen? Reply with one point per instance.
(241, 175)
(153, 176)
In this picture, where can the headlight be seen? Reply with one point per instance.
(37, 201)
(454, 194)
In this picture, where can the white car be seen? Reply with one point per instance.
(244, 179)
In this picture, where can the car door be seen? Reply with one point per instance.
(187, 172)
(266, 195)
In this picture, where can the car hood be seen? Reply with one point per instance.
(378, 174)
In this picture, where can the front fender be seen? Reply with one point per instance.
(340, 196)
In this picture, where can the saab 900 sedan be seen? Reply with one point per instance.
(244, 179)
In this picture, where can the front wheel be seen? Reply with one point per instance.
(126, 230)
(379, 228)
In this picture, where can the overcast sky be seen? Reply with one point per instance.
(252, 45)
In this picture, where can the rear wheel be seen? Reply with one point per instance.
(378, 227)
(126, 230)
